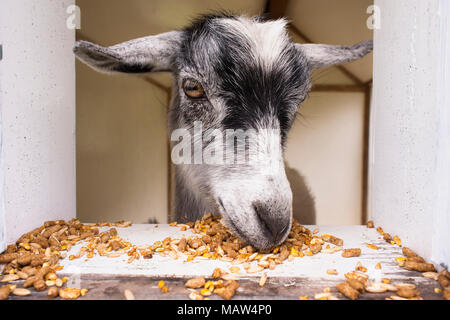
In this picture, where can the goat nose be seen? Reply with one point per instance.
(275, 222)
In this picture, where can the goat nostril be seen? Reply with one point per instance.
(273, 224)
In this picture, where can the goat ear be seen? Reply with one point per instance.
(148, 54)
(322, 55)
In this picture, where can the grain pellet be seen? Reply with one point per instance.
(4, 292)
(8, 257)
(332, 239)
(262, 280)
(217, 273)
(332, 271)
(419, 266)
(446, 294)
(39, 285)
(70, 293)
(195, 283)
(21, 292)
(407, 293)
(347, 290)
(356, 284)
(128, 295)
(52, 292)
(354, 252)
(10, 278)
(443, 280)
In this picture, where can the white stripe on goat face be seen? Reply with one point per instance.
(266, 39)
(262, 174)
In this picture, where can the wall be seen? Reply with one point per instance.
(325, 146)
(114, 183)
(410, 153)
(121, 148)
(37, 98)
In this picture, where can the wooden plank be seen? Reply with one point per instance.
(338, 88)
(156, 83)
(146, 288)
(310, 267)
(107, 278)
(276, 9)
(365, 156)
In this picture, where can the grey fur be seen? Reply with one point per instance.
(254, 77)
(147, 54)
(322, 55)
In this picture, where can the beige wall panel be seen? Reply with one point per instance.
(335, 22)
(325, 146)
(121, 148)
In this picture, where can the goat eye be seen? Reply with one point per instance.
(193, 89)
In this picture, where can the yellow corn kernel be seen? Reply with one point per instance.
(234, 269)
(208, 284)
(362, 269)
(205, 292)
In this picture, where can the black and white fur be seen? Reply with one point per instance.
(254, 77)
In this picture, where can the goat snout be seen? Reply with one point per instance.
(275, 223)
(263, 220)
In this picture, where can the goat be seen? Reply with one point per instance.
(231, 72)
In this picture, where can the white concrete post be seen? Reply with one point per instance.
(37, 101)
(409, 185)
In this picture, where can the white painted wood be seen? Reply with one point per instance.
(409, 150)
(309, 267)
(441, 233)
(37, 98)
